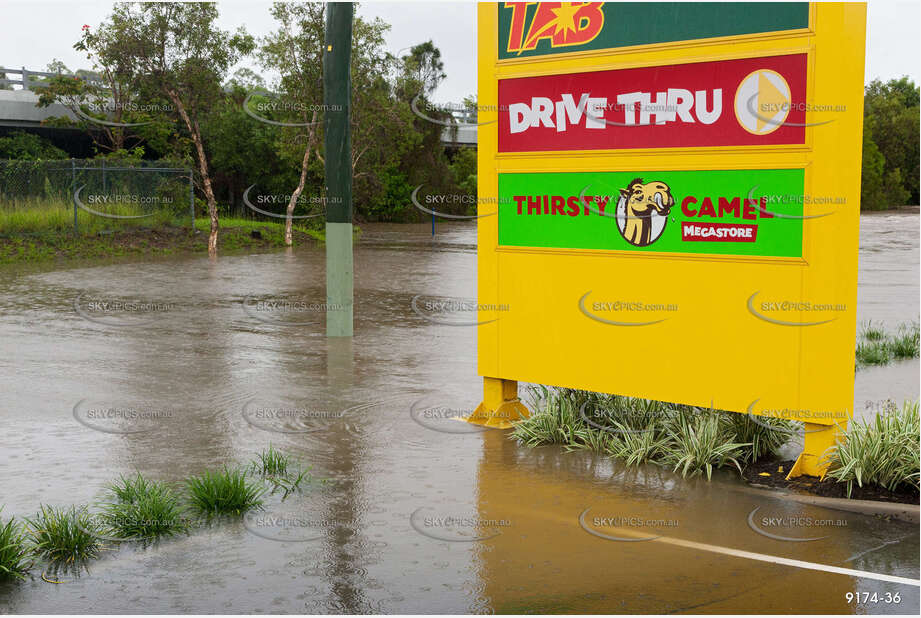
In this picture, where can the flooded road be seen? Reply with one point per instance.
(175, 366)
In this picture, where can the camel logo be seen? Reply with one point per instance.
(562, 24)
(642, 211)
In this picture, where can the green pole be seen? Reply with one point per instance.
(337, 95)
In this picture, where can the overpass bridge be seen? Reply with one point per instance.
(19, 110)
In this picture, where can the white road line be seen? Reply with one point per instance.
(814, 566)
(738, 553)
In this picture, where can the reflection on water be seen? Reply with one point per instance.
(230, 356)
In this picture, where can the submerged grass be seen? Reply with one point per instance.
(876, 346)
(226, 491)
(271, 461)
(881, 451)
(64, 535)
(280, 470)
(15, 553)
(143, 509)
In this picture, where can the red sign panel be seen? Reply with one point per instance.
(751, 101)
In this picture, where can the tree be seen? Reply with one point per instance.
(423, 70)
(891, 118)
(103, 100)
(29, 147)
(175, 50)
(296, 51)
(239, 148)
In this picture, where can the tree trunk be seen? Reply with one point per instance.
(195, 132)
(311, 133)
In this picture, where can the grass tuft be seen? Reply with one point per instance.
(873, 353)
(129, 489)
(873, 332)
(64, 535)
(907, 342)
(15, 553)
(271, 462)
(875, 346)
(143, 509)
(278, 468)
(223, 492)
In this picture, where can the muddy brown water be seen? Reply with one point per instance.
(421, 513)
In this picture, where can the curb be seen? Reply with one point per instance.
(905, 512)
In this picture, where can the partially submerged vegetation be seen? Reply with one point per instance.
(136, 508)
(223, 492)
(281, 470)
(881, 451)
(162, 236)
(15, 553)
(141, 509)
(876, 346)
(64, 535)
(687, 439)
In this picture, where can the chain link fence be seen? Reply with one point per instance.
(93, 196)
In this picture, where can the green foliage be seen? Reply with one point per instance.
(128, 489)
(875, 346)
(223, 492)
(15, 553)
(881, 451)
(464, 171)
(271, 461)
(29, 147)
(765, 434)
(143, 509)
(279, 469)
(698, 442)
(163, 67)
(890, 144)
(873, 332)
(907, 342)
(64, 535)
(688, 439)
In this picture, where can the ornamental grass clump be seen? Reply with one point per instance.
(880, 451)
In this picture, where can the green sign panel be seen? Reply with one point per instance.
(723, 212)
(543, 28)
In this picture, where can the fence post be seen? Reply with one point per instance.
(73, 189)
(192, 200)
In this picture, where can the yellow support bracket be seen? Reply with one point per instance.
(500, 407)
(819, 441)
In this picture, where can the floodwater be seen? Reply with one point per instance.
(419, 513)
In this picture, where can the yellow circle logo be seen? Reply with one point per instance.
(762, 102)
